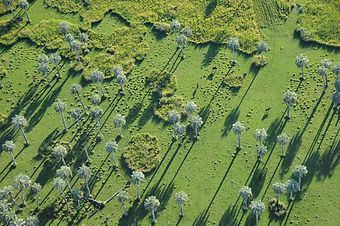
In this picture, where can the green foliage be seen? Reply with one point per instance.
(142, 153)
(10, 31)
(162, 83)
(260, 61)
(167, 104)
(3, 72)
(4, 9)
(234, 81)
(319, 22)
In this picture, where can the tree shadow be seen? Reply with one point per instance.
(257, 181)
(229, 217)
(328, 161)
(202, 219)
(292, 149)
(213, 49)
(231, 118)
(209, 9)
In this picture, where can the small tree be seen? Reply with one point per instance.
(190, 108)
(181, 199)
(6, 194)
(60, 152)
(85, 173)
(23, 4)
(44, 69)
(300, 171)
(238, 129)
(36, 188)
(302, 61)
(96, 113)
(292, 186)
(98, 77)
(261, 135)
(95, 99)
(64, 28)
(75, 47)
(59, 184)
(9, 4)
(117, 71)
(173, 117)
(122, 198)
(78, 195)
(336, 70)
(22, 182)
(31, 221)
(257, 208)
(65, 173)
(69, 39)
(246, 194)
(151, 204)
(60, 107)
(196, 124)
(76, 115)
(233, 44)
(187, 32)
(289, 98)
(261, 150)
(326, 63)
(175, 26)
(179, 131)
(19, 122)
(262, 47)
(282, 140)
(111, 148)
(182, 41)
(55, 59)
(137, 178)
(9, 147)
(75, 90)
(322, 71)
(119, 122)
(121, 80)
(278, 189)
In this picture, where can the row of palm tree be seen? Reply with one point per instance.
(23, 4)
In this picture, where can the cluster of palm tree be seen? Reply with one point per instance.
(43, 65)
(9, 206)
(182, 35)
(23, 4)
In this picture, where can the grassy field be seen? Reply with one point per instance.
(209, 170)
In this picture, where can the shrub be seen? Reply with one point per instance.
(166, 104)
(260, 61)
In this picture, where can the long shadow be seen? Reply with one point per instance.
(105, 181)
(202, 219)
(231, 118)
(292, 149)
(211, 53)
(271, 178)
(168, 62)
(255, 71)
(257, 181)
(209, 9)
(229, 217)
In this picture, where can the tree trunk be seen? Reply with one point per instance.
(12, 10)
(13, 159)
(124, 209)
(182, 52)
(302, 73)
(138, 191)
(239, 141)
(24, 135)
(78, 203)
(326, 81)
(87, 188)
(114, 159)
(257, 219)
(181, 213)
(81, 102)
(23, 196)
(288, 111)
(87, 154)
(28, 17)
(63, 160)
(196, 132)
(37, 200)
(291, 196)
(153, 216)
(299, 184)
(98, 125)
(63, 120)
(282, 150)
(101, 89)
(120, 131)
(262, 58)
(245, 201)
(69, 186)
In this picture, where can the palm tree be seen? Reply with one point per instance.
(9, 147)
(121, 80)
(78, 195)
(261, 135)
(326, 63)
(190, 108)
(20, 123)
(187, 32)
(262, 47)
(175, 26)
(36, 188)
(261, 150)
(122, 198)
(181, 199)
(322, 71)
(300, 171)
(173, 117)
(85, 173)
(257, 208)
(137, 178)
(83, 38)
(69, 39)
(95, 113)
(117, 71)
(246, 194)
(119, 122)
(278, 189)
(60, 107)
(75, 47)
(179, 131)
(302, 61)
(182, 41)
(9, 4)
(75, 90)
(98, 77)
(95, 99)
(23, 4)
(55, 59)
(59, 184)
(289, 98)
(65, 173)
(76, 115)
(238, 129)
(44, 69)
(151, 204)
(60, 152)
(7, 194)
(336, 70)
(43, 59)
(233, 44)
(111, 148)
(283, 140)
(22, 182)
(292, 186)
(32, 221)
(64, 28)
(196, 123)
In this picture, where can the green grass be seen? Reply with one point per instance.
(209, 170)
